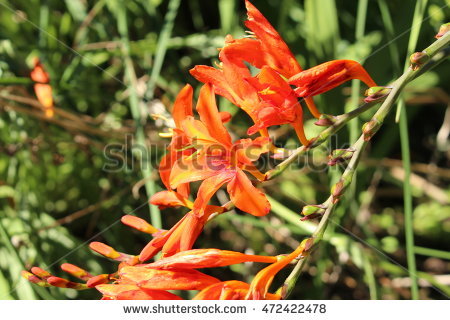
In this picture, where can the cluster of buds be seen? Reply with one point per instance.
(202, 150)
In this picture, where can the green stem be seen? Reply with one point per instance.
(16, 80)
(432, 252)
(339, 123)
(359, 147)
(161, 48)
(406, 157)
(136, 113)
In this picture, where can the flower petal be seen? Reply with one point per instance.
(327, 76)
(176, 279)
(209, 115)
(189, 169)
(182, 106)
(207, 258)
(216, 77)
(169, 198)
(246, 197)
(209, 187)
(278, 55)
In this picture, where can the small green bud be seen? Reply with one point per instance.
(370, 128)
(375, 93)
(418, 59)
(443, 30)
(339, 155)
(313, 209)
(325, 120)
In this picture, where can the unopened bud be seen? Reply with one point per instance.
(96, 280)
(41, 273)
(443, 30)
(313, 209)
(370, 128)
(104, 250)
(34, 279)
(308, 243)
(64, 283)
(418, 59)
(339, 156)
(311, 217)
(76, 271)
(337, 191)
(325, 120)
(138, 224)
(376, 93)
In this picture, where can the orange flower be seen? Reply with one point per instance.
(180, 237)
(207, 258)
(273, 102)
(266, 49)
(140, 282)
(267, 98)
(218, 161)
(258, 289)
(178, 147)
(42, 89)
(327, 76)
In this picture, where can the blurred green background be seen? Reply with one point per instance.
(112, 63)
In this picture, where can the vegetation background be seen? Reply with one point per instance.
(112, 63)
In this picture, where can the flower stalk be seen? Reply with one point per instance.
(359, 147)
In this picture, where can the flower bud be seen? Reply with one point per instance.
(339, 156)
(370, 128)
(376, 93)
(41, 273)
(325, 120)
(138, 224)
(338, 190)
(34, 279)
(104, 250)
(313, 209)
(443, 30)
(64, 283)
(76, 271)
(418, 59)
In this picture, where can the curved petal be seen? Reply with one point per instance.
(176, 279)
(278, 56)
(210, 116)
(198, 132)
(246, 49)
(216, 77)
(327, 76)
(246, 197)
(209, 187)
(207, 258)
(182, 106)
(169, 198)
